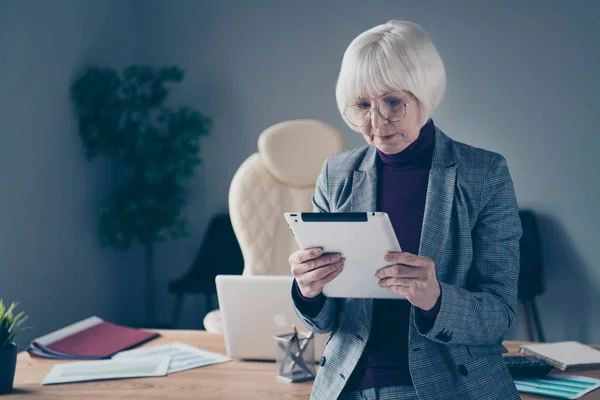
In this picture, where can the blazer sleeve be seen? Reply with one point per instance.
(484, 312)
(326, 319)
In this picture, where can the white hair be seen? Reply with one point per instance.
(397, 55)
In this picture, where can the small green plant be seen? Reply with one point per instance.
(10, 324)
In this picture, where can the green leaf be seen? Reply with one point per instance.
(10, 324)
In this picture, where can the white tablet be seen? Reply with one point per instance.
(361, 238)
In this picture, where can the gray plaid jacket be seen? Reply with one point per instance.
(471, 230)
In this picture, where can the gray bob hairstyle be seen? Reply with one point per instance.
(397, 55)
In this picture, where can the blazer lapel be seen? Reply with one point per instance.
(364, 184)
(438, 206)
(439, 200)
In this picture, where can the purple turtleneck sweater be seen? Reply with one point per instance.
(402, 180)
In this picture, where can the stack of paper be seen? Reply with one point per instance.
(182, 356)
(145, 362)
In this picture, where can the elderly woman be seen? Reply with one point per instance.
(454, 212)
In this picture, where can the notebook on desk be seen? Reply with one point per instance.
(89, 339)
(566, 356)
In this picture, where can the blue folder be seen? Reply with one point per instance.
(559, 386)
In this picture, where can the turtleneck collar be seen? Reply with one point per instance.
(418, 153)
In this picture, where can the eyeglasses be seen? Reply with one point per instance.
(391, 109)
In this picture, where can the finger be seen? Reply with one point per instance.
(300, 256)
(408, 259)
(310, 277)
(406, 282)
(318, 285)
(400, 271)
(315, 263)
(322, 282)
(385, 272)
(320, 273)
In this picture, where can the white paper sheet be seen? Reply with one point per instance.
(81, 371)
(182, 356)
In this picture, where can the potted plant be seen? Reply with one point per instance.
(122, 116)
(10, 326)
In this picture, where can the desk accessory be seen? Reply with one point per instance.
(295, 357)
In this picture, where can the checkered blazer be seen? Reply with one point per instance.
(471, 230)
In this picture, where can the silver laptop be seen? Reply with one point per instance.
(253, 310)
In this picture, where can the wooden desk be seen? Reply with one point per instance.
(232, 380)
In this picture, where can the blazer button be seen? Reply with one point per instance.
(463, 370)
(323, 359)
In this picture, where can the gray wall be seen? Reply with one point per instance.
(522, 81)
(50, 260)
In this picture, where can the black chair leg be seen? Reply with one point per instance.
(208, 303)
(537, 321)
(206, 309)
(177, 310)
(527, 320)
(214, 302)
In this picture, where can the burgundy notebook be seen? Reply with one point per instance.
(91, 339)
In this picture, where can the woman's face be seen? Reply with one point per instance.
(388, 136)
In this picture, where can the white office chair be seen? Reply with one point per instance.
(279, 178)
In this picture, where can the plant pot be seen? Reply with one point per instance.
(8, 363)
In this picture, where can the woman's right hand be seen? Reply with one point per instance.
(313, 269)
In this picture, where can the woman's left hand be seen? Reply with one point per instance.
(411, 276)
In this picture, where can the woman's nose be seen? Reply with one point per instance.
(377, 121)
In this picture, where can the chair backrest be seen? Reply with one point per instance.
(279, 178)
(531, 275)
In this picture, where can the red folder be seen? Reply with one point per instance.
(89, 339)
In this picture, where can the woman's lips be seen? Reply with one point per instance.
(386, 138)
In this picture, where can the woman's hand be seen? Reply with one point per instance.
(313, 270)
(411, 276)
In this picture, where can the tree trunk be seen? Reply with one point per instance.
(149, 258)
